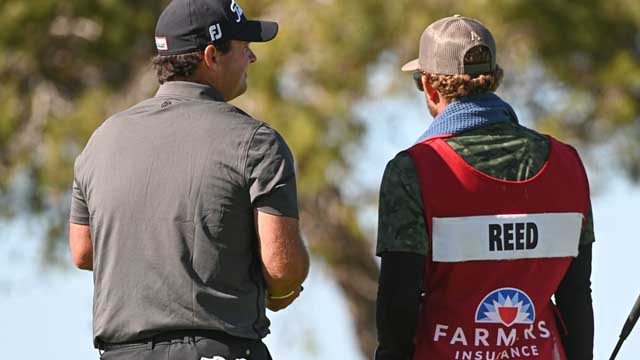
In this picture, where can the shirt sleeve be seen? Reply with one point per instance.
(401, 221)
(79, 210)
(574, 302)
(400, 289)
(270, 174)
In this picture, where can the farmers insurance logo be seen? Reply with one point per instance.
(506, 306)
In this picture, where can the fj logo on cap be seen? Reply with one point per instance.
(236, 9)
(215, 31)
(161, 43)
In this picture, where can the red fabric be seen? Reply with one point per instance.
(454, 291)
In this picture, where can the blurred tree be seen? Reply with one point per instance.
(66, 66)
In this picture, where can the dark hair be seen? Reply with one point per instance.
(452, 87)
(182, 66)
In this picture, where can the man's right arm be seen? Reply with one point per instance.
(80, 242)
(284, 258)
(271, 178)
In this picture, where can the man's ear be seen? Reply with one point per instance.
(429, 90)
(211, 55)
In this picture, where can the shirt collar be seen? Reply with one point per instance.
(468, 113)
(190, 90)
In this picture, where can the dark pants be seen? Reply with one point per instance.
(188, 346)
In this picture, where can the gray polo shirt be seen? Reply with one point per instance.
(168, 188)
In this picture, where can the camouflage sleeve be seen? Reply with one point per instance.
(587, 236)
(401, 221)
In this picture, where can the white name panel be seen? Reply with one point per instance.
(506, 237)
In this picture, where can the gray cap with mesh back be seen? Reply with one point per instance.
(444, 44)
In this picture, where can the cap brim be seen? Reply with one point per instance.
(412, 65)
(258, 31)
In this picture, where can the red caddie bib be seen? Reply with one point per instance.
(498, 251)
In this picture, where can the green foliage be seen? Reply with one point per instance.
(306, 81)
(9, 111)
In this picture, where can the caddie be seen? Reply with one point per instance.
(481, 222)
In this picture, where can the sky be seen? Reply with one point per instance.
(48, 310)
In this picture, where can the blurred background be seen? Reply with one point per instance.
(330, 83)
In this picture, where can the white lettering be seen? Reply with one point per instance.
(440, 332)
(544, 332)
(481, 337)
(458, 336)
(504, 340)
(528, 333)
(534, 350)
(236, 9)
(510, 353)
(215, 31)
(485, 338)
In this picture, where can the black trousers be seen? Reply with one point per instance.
(187, 346)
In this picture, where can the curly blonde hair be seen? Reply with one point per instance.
(452, 87)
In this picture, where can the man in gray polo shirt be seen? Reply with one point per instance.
(185, 207)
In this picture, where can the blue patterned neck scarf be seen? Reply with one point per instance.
(468, 113)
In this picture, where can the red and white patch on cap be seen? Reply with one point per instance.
(161, 43)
